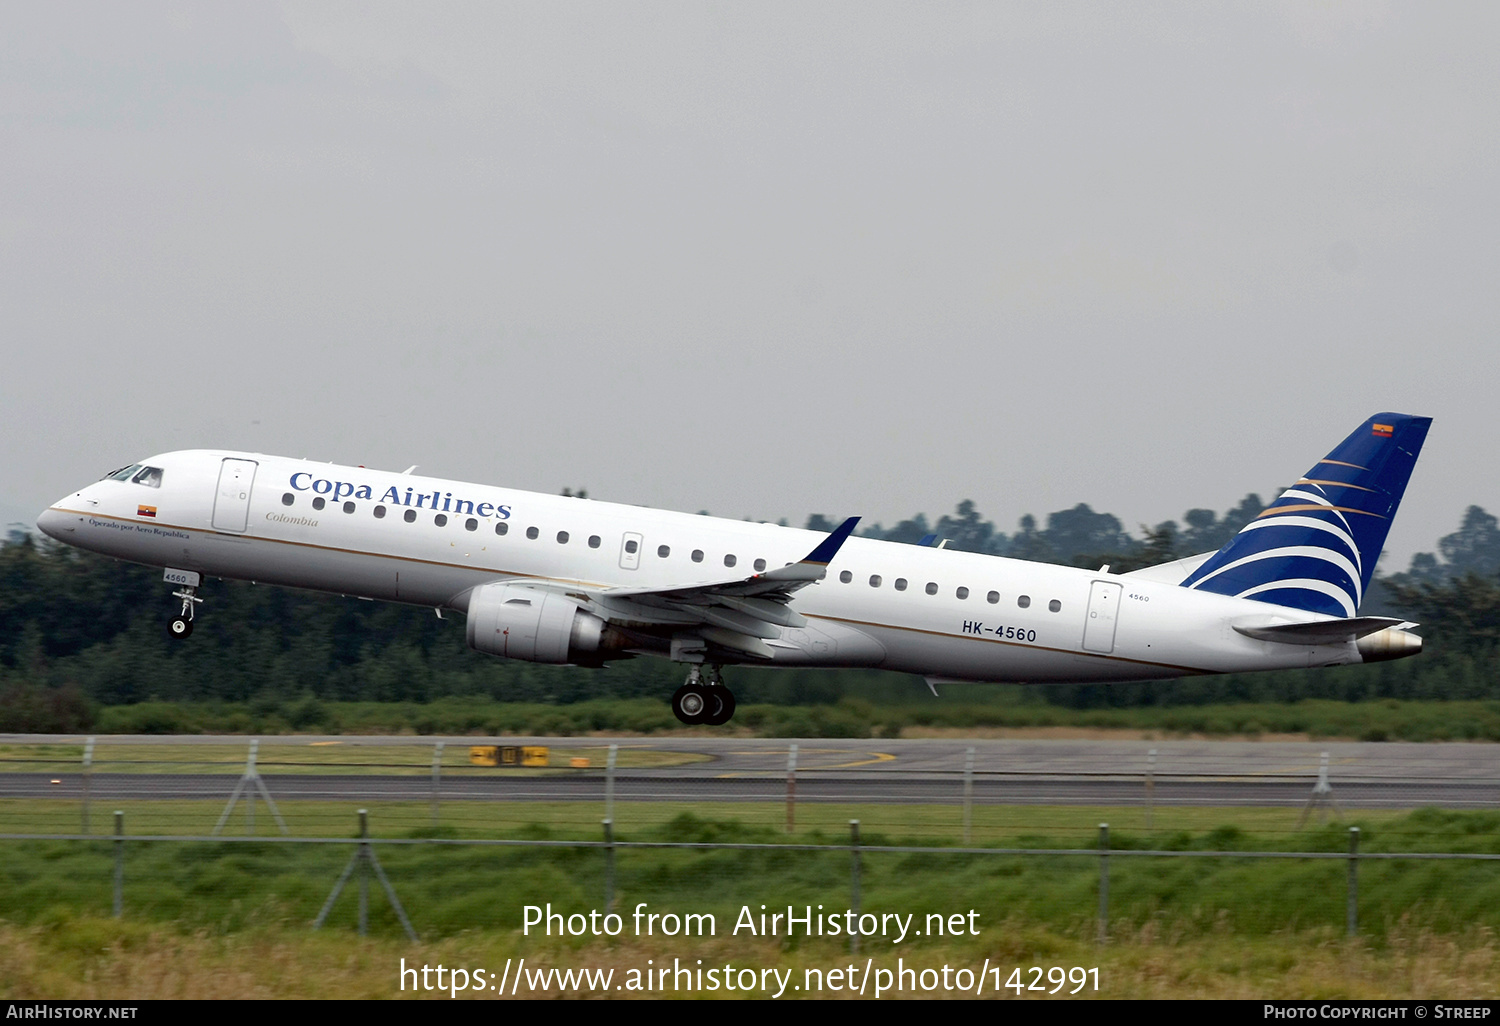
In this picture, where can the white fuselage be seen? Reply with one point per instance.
(937, 612)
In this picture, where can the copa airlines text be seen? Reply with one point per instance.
(568, 580)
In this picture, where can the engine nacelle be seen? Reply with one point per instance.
(539, 626)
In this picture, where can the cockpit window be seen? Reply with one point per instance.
(123, 474)
(149, 476)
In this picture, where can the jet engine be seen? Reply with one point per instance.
(526, 623)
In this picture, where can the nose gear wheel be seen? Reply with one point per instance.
(181, 625)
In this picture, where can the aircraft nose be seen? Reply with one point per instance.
(55, 524)
(59, 521)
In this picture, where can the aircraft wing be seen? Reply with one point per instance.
(738, 613)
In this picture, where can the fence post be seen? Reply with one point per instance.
(969, 795)
(854, 868)
(119, 902)
(437, 778)
(1351, 915)
(609, 783)
(609, 866)
(250, 769)
(1103, 883)
(365, 861)
(364, 873)
(88, 770)
(791, 788)
(1150, 784)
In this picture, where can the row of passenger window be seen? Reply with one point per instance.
(662, 551)
(503, 528)
(665, 552)
(900, 584)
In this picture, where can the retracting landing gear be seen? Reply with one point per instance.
(703, 700)
(181, 625)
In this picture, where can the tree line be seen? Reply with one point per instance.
(79, 630)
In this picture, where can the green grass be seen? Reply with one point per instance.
(224, 887)
(92, 957)
(992, 825)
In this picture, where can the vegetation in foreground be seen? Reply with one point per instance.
(94, 958)
(449, 889)
(1381, 720)
(207, 920)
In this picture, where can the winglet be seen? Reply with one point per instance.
(829, 547)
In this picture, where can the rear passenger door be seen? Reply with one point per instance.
(1104, 607)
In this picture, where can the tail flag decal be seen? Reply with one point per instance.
(1315, 547)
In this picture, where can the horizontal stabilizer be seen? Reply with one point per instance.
(1321, 632)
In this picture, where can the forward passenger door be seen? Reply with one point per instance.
(232, 500)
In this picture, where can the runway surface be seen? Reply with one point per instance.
(1006, 771)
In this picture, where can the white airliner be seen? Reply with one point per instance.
(556, 579)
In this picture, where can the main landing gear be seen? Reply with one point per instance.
(703, 700)
(181, 625)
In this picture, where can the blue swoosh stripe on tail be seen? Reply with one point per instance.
(1316, 546)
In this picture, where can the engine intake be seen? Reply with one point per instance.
(525, 623)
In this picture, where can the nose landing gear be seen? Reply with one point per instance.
(703, 701)
(181, 625)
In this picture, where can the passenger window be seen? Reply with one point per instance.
(874, 580)
(1055, 606)
(288, 498)
(532, 533)
(760, 564)
(631, 546)
(471, 524)
(441, 520)
(410, 516)
(901, 584)
(664, 551)
(149, 476)
(593, 541)
(318, 502)
(697, 555)
(992, 597)
(846, 577)
(1024, 601)
(500, 528)
(962, 593)
(379, 512)
(932, 587)
(348, 507)
(562, 537)
(730, 560)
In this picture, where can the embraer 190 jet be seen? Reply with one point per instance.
(568, 580)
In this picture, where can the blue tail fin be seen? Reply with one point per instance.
(1315, 547)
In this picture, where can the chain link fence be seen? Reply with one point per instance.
(420, 835)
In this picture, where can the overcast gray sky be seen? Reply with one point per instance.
(762, 259)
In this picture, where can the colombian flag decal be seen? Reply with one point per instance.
(145, 511)
(1383, 430)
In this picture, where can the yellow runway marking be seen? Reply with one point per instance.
(879, 757)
